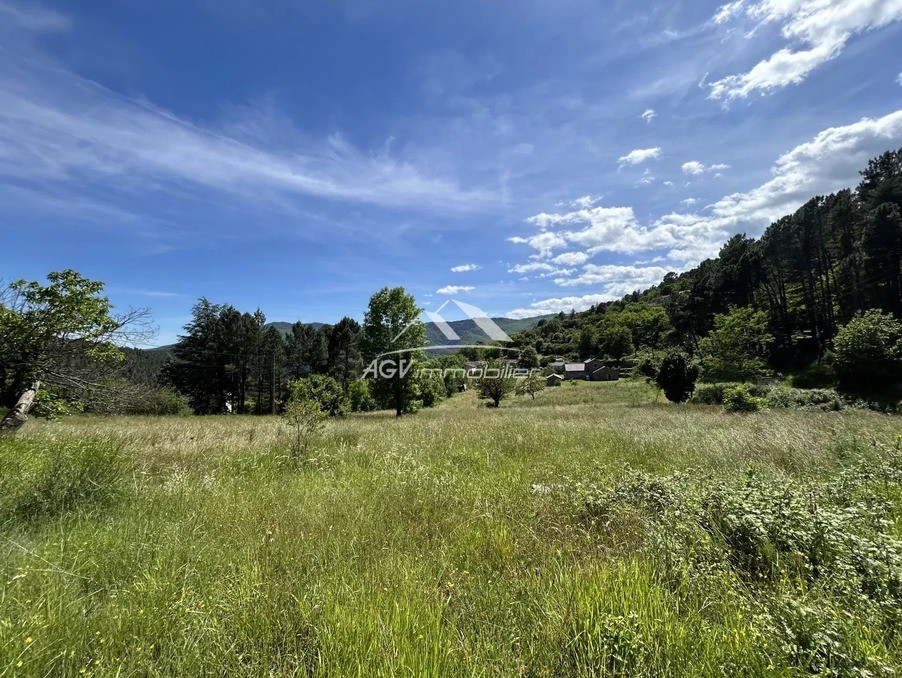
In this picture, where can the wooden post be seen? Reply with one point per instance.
(18, 415)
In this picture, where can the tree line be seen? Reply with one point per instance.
(775, 303)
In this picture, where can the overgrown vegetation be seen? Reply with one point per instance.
(595, 530)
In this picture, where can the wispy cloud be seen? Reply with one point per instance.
(817, 29)
(58, 129)
(465, 268)
(648, 115)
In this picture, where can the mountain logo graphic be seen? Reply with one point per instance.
(477, 315)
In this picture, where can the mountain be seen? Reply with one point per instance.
(470, 333)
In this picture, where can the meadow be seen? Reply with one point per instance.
(595, 530)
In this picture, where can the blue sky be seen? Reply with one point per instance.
(525, 157)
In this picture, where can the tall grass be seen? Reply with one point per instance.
(452, 542)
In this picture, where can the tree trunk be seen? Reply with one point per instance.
(18, 415)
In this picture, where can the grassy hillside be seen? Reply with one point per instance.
(593, 531)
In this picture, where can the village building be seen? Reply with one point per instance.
(554, 380)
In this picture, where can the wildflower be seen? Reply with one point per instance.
(29, 640)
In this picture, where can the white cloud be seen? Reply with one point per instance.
(565, 304)
(586, 201)
(817, 31)
(454, 289)
(56, 127)
(899, 80)
(545, 242)
(827, 163)
(647, 178)
(571, 258)
(689, 201)
(727, 12)
(649, 115)
(694, 167)
(465, 268)
(639, 155)
(616, 280)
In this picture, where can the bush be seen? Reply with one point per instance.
(677, 378)
(39, 480)
(160, 402)
(797, 398)
(869, 351)
(712, 394)
(359, 397)
(321, 389)
(812, 563)
(739, 398)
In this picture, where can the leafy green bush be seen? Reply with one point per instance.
(161, 401)
(321, 389)
(813, 563)
(676, 377)
(797, 398)
(49, 479)
(712, 394)
(739, 398)
(869, 351)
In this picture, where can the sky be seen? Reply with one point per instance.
(524, 157)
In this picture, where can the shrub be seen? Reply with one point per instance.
(797, 398)
(869, 351)
(359, 397)
(677, 378)
(739, 398)
(160, 402)
(321, 389)
(39, 480)
(812, 563)
(307, 420)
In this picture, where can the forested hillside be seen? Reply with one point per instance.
(808, 274)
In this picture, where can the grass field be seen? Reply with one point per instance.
(593, 531)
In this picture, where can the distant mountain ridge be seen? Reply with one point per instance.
(467, 330)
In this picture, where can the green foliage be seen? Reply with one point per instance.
(50, 405)
(392, 323)
(431, 389)
(359, 397)
(712, 394)
(734, 349)
(528, 358)
(869, 351)
(47, 479)
(810, 399)
(677, 377)
(321, 389)
(739, 398)
(816, 565)
(615, 340)
(307, 420)
(531, 385)
(60, 333)
(495, 385)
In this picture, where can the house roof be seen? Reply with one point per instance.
(555, 376)
(575, 367)
(558, 363)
